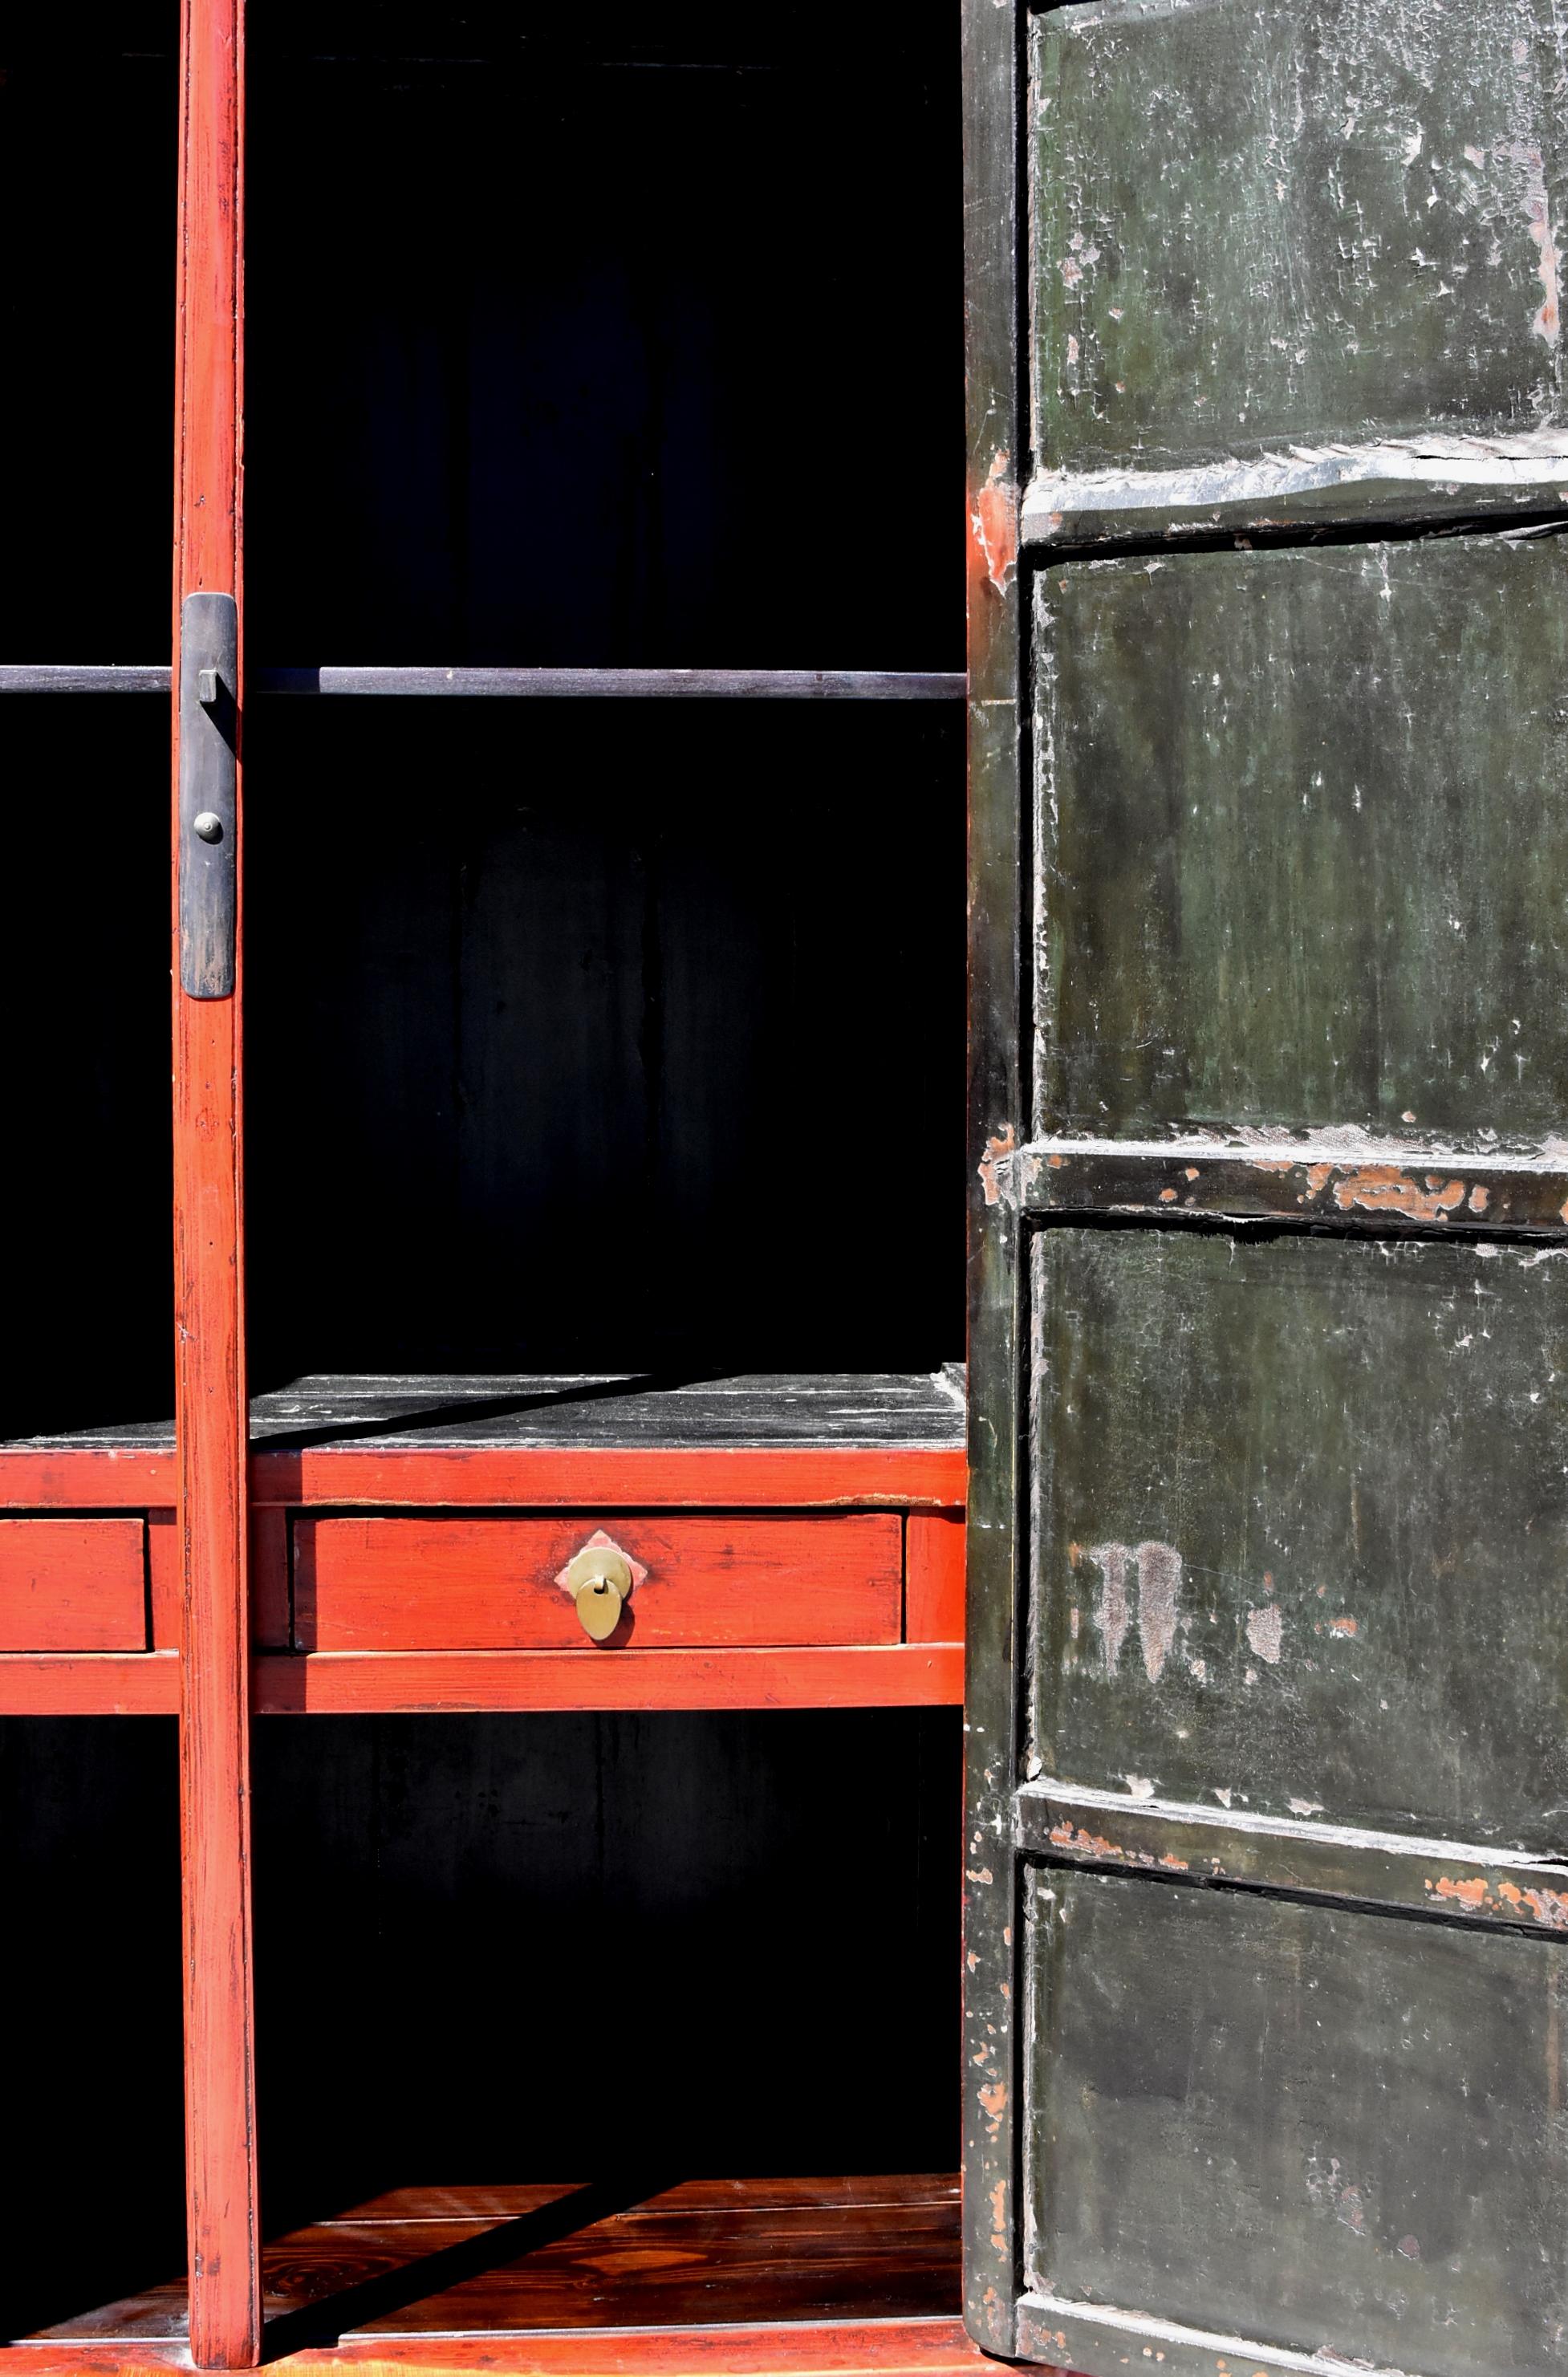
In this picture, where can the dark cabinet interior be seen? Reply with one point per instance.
(89, 1999)
(85, 1198)
(602, 340)
(620, 1035)
(88, 124)
(572, 1946)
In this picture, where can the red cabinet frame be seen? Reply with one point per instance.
(217, 1519)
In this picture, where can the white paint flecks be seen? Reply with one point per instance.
(1546, 324)
(1305, 1807)
(1112, 1615)
(1138, 1787)
(1333, 2189)
(1159, 1585)
(1159, 1582)
(1265, 1631)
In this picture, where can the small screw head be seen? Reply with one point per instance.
(208, 826)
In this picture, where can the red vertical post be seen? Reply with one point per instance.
(225, 2299)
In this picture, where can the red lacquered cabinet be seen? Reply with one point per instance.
(551, 1379)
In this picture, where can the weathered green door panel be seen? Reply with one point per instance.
(1309, 2126)
(1300, 1528)
(1257, 221)
(1303, 832)
(1268, 1816)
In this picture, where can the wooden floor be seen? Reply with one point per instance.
(742, 2275)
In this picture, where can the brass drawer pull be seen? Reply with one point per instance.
(600, 1579)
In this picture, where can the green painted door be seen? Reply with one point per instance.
(1267, 1839)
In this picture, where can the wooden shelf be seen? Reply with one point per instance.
(744, 2274)
(595, 1444)
(738, 1441)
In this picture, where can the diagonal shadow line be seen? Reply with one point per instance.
(484, 1407)
(326, 2322)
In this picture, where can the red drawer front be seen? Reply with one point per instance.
(489, 1584)
(72, 1584)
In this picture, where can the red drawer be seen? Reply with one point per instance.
(490, 1585)
(72, 1584)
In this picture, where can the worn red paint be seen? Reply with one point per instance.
(1384, 1189)
(1477, 1897)
(1067, 1835)
(1470, 1892)
(995, 1165)
(995, 523)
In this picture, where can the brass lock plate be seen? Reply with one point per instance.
(601, 1579)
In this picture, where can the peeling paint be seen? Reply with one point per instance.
(1159, 1585)
(1470, 1892)
(996, 1168)
(1264, 1631)
(1546, 324)
(1383, 1188)
(1159, 1582)
(1477, 1895)
(994, 523)
(1333, 2191)
(1111, 1612)
(1068, 1835)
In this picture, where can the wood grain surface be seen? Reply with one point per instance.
(890, 1674)
(210, 1406)
(72, 1584)
(490, 2262)
(933, 1576)
(446, 1583)
(912, 2348)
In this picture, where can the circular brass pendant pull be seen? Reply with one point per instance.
(599, 1580)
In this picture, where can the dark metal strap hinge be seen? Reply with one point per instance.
(208, 775)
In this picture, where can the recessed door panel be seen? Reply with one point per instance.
(1303, 820)
(1331, 2132)
(1329, 221)
(1301, 1527)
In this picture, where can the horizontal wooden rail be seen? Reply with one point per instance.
(1318, 1182)
(89, 1683)
(86, 1478)
(68, 677)
(897, 1675)
(522, 683)
(779, 1477)
(624, 683)
(336, 1683)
